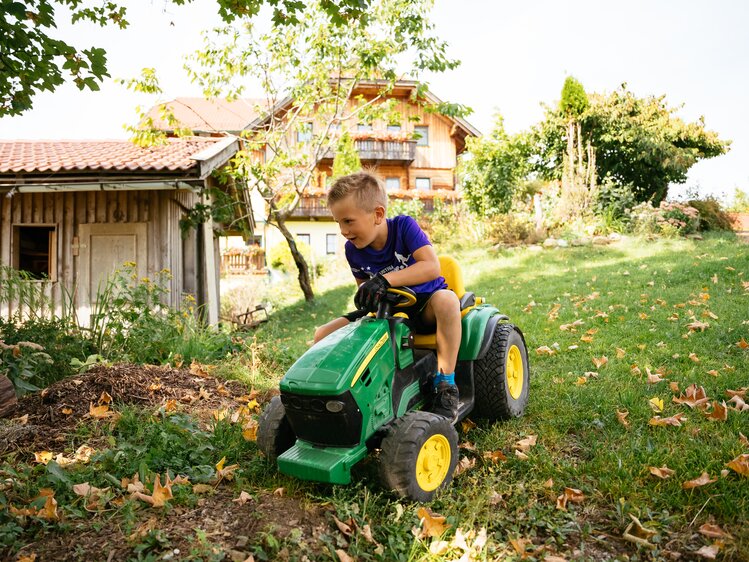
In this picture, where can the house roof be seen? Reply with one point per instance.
(32, 156)
(207, 116)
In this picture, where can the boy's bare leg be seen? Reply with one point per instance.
(444, 309)
(329, 328)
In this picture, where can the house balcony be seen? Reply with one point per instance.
(314, 206)
(396, 151)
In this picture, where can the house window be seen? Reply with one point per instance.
(364, 127)
(331, 243)
(395, 128)
(423, 184)
(35, 251)
(421, 132)
(393, 183)
(304, 238)
(304, 133)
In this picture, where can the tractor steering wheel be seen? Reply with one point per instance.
(401, 297)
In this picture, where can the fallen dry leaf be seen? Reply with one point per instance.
(525, 444)
(345, 528)
(495, 456)
(674, 421)
(545, 350)
(43, 457)
(432, 524)
(620, 353)
(743, 439)
(694, 397)
(656, 404)
(572, 495)
(742, 343)
(714, 532)
(467, 425)
(740, 464)
(709, 552)
(99, 412)
(343, 555)
(637, 533)
(662, 472)
(225, 473)
(571, 327)
(703, 480)
(697, 325)
(718, 413)
(600, 361)
(693, 357)
(464, 464)
(621, 415)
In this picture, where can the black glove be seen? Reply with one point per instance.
(370, 292)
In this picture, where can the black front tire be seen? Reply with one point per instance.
(502, 376)
(418, 455)
(274, 433)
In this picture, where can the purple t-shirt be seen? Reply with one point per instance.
(404, 238)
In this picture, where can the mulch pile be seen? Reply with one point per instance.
(49, 415)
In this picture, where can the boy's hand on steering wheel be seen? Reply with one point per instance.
(370, 292)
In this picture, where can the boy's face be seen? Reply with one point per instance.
(357, 225)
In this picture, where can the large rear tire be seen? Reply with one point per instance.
(418, 455)
(502, 376)
(274, 433)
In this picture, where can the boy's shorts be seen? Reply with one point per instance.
(415, 320)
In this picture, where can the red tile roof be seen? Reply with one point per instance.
(202, 115)
(103, 155)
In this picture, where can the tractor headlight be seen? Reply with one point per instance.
(334, 406)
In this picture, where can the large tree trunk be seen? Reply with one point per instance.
(301, 263)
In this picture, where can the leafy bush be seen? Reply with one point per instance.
(20, 364)
(509, 229)
(411, 207)
(60, 341)
(668, 219)
(712, 215)
(614, 200)
(131, 323)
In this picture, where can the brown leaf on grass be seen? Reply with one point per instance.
(49, 511)
(521, 455)
(662, 472)
(697, 325)
(571, 495)
(572, 326)
(249, 432)
(520, 545)
(495, 456)
(674, 386)
(161, 494)
(713, 373)
(99, 412)
(702, 480)
(674, 421)
(653, 378)
(740, 392)
(738, 404)
(621, 415)
(346, 528)
(224, 473)
(714, 532)
(464, 464)
(600, 361)
(694, 397)
(134, 485)
(199, 370)
(620, 352)
(545, 350)
(586, 339)
(553, 314)
(742, 344)
(718, 413)
(524, 445)
(43, 457)
(343, 556)
(637, 533)
(709, 552)
(743, 439)
(693, 357)
(432, 524)
(656, 404)
(740, 464)
(91, 493)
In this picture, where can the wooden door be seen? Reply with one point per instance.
(104, 248)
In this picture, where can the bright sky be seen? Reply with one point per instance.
(515, 56)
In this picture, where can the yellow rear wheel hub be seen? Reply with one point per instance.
(514, 372)
(433, 462)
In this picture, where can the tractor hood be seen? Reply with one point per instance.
(333, 364)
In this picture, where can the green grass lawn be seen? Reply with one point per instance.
(632, 302)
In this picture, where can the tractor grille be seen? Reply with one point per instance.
(312, 422)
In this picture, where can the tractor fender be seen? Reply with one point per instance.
(478, 329)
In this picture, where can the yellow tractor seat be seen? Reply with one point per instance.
(454, 278)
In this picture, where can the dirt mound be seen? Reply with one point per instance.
(50, 414)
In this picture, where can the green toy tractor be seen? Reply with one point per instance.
(367, 386)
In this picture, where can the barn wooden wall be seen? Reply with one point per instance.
(160, 209)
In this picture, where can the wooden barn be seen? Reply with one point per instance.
(73, 211)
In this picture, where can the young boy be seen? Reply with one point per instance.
(395, 252)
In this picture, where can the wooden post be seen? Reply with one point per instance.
(8, 398)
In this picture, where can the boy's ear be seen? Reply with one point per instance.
(379, 214)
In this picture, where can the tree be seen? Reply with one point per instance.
(631, 143)
(497, 166)
(309, 73)
(346, 160)
(32, 60)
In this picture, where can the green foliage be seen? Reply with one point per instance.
(495, 171)
(509, 229)
(346, 159)
(614, 200)
(668, 219)
(740, 202)
(712, 214)
(638, 142)
(59, 344)
(20, 363)
(280, 258)
(26, 294)
(130, 323)
(411, 207)
(574, 100)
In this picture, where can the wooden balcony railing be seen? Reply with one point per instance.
(315, 206)
(374, 149)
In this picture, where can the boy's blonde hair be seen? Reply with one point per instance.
(367, 189)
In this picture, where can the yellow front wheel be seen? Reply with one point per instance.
(418, 455)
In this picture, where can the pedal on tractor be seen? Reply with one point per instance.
(367, 386)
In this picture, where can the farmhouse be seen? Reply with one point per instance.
(73, 211)
(416, 154)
